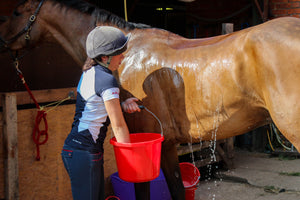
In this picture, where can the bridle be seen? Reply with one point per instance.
(26, 30)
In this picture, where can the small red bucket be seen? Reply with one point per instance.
(138, 161)
(190, 178)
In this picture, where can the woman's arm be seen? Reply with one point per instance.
(117, 120)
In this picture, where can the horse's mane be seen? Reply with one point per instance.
(101, 16)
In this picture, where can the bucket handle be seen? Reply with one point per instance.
(161, 128)
(144, 107)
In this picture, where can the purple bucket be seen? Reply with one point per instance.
(125, 190)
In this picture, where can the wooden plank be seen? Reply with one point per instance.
(181, 150)
(207, 161)
(43, 96)
(10, 137)
(259, 9)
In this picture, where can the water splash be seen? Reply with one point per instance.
(214, 132)
(212, 147)
(190, 144)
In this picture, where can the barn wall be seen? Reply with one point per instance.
(47, 178)
(205, 18)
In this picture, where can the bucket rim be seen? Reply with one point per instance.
(198, 173)
(136, 144)
(193, 185)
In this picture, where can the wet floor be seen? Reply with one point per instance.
(256, 176)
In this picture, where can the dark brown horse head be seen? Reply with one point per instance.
(64, 22)
(21, 30)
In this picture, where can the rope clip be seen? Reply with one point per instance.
(16, 63)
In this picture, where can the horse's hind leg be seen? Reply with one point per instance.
(287, 119)
(170, 167)
(290, 130)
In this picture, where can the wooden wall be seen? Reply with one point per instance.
(45, 179)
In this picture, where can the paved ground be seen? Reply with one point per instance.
(257, 176)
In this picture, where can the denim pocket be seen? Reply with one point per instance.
(67, 153)
(66, 156)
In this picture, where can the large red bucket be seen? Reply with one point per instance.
(138, 161)
(190, 178)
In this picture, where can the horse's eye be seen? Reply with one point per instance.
(16, 13)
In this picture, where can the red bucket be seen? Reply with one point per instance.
(138, 161)
(190, 178)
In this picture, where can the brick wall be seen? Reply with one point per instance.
(280, 8)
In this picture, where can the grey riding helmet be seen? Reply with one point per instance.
(106, 41)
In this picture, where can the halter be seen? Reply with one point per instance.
(25, 30)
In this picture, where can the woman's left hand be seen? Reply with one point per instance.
(130, 105)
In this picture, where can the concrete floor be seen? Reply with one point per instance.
(256, 176)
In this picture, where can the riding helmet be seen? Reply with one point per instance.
(106, 41)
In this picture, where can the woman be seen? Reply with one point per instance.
(97, 106)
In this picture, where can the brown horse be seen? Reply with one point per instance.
(200, 89)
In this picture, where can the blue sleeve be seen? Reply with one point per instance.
(104, 81)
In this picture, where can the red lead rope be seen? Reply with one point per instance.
(37, 133)
(41, 115)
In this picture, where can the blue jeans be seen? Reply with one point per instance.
(86, 173)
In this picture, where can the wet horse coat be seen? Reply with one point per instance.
(200, 89)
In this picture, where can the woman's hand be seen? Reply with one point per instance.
(130, 105)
